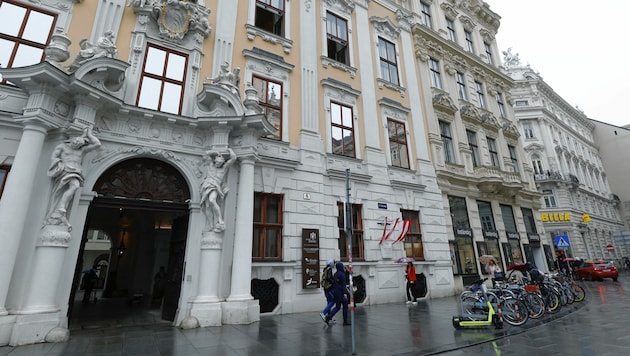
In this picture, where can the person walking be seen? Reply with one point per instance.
(340, 294)
(410, 275)
(327, 284)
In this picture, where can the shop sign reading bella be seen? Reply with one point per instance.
(555, 217)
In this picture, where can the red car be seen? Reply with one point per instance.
(597, 270)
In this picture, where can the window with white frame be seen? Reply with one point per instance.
(474, 148)
(450, 29)
(469, 41)
(389, 67)
(494, 153)
(550, 198)
(436, 76)
(270, 99)
(337, 38)
(481, 97)
(501, 105)
(447, 141)
(513, 157)
(426, 15)
(398, 143)
(270, 16)
(342, 130)
(461, 86)
(162, 80)
(488, 52)
(25, 32)
(537, 163)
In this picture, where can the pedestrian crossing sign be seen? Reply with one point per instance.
(562, 242)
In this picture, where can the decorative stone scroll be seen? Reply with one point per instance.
(175, 18)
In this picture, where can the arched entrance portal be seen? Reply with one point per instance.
(141, 213)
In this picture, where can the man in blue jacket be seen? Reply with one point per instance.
(340, 294)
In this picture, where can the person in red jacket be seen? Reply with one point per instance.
(410, 274)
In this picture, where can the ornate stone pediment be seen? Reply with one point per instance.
(385, 26)
(510, 130)
(175, 18)
(442, 102)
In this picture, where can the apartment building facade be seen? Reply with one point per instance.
(579, 209)
(223, 140)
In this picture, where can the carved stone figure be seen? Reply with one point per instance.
(214, 188)
(66, 172)
(509, 59)
(104, 47)
(228, 80)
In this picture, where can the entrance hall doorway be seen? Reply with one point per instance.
(136, 245)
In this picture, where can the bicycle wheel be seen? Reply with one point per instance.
(535, 304)
(472, 305)
(552, 302)
(578, 292)
(514, 311)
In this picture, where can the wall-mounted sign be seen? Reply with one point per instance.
(310, 258)
(382, 205)
(513, 235)
(493, 234)
(463, 232)
(586, 218)
(555, 217)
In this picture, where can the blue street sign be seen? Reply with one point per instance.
(562, 242)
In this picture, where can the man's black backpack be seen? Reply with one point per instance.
(327, 278)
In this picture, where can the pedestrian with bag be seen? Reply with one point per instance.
(410, 275)
(340, 294)
(327, 284)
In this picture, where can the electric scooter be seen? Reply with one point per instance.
(480, 315)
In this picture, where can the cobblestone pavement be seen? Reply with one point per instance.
(594, 327)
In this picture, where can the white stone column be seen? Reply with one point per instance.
(14, 203)
(240, 307)
(242, 255)
(206, 307)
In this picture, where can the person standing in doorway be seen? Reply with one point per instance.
(410, 275)
(90, 277)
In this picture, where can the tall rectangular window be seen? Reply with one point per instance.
(24, 33)
(474, 148)
(528, 129)
(270, 16)
(462, 250)
(267, 243)
(488, 52)
(436, 78)
(450, 28)
(389, 67)
(413, 240)
(501, 105)
(426, 15)
(469, 41)
(398, 143)
(486, 217)
(357, 232)
(461, 86)
(528, 219)
(270, 99)
(508, 219)
(4, 173)
(513, 158)
(162, 80)
(342, 129)
(447, 140)
(494, 154)
(481, 96)
(550, 198)
(337, 38)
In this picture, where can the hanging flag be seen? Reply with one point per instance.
(384, 231)
(405, 229)
(385, 237)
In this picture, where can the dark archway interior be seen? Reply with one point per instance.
(142, 208)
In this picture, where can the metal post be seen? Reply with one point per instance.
(348, 220)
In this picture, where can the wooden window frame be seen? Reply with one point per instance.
(163, 79)
(388, 63)
(264, 226)
(333, 39)
(413, 241)
(343, 129)
(396, 143)
(474, 147)
(267, 106)
(357, 232)
(18, 40)
(264, 7)
(447, 139)
(493, 151)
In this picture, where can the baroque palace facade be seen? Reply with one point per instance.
(221, 140)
